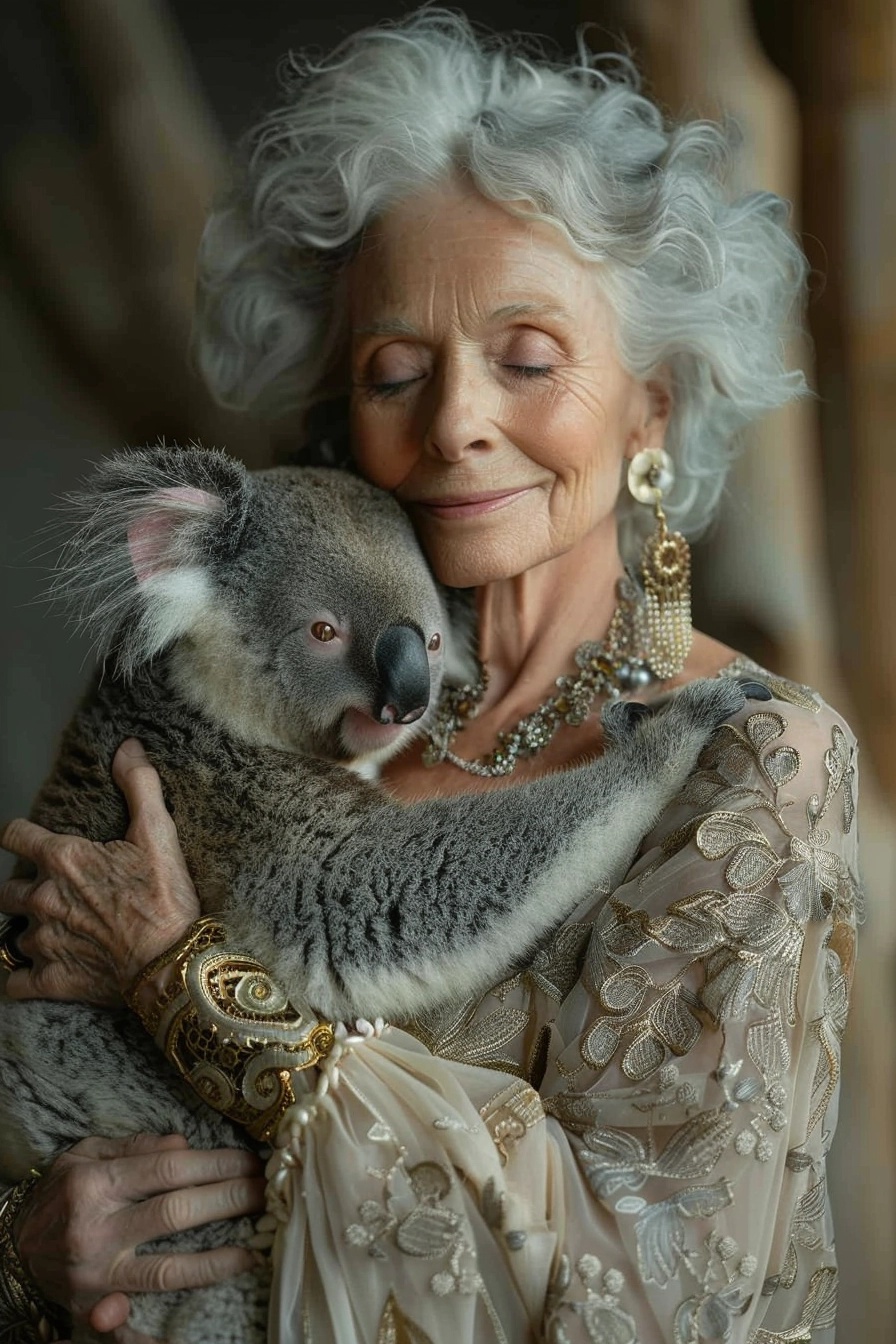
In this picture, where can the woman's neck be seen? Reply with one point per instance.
(529, 626)
(529, 629)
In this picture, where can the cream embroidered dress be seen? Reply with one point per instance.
(626, 1141)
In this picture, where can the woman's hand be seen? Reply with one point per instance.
(78, 1233)
(98, 913)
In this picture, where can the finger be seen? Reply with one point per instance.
(28, 840)
(139, 781)
(110, 1313)
(133, 1146)
(29, 982)
(46, 939)
(24, 941)
(15, 895)
(54, 980)
(195, 1269)
(56, 938)
(46, 900)
(160, 1172)
(179, 1210)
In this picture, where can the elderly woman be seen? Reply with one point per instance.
(550, 323)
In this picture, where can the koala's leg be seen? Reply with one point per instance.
(70, 1071)
(410, 904)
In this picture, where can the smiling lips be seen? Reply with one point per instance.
(469, 506)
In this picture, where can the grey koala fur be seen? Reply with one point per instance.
(202, 582)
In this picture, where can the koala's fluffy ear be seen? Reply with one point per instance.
(149, 526)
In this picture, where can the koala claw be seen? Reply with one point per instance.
(754, 690)
(708, 702)
(620, 719)
(634, 711)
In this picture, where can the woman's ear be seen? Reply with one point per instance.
(654, 410)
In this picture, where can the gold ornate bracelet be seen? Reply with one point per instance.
(229, 1028)
(25, 1317)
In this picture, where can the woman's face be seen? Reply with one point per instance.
(487, 392)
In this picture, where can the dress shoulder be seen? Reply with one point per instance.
(802, 712)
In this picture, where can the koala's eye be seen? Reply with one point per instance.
(435, 643)
(323, 631)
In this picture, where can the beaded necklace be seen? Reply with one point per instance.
(610, 667)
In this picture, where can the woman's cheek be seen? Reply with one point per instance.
(368, 442)
(374, 448)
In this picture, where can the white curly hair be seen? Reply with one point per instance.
(701, 284)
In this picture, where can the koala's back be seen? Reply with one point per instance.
(228, 798)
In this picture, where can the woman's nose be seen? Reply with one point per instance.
(461, 413)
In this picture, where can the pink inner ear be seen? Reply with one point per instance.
(150, 537)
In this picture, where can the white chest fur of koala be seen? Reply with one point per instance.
(268, 631)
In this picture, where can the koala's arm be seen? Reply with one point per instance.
(387, 909)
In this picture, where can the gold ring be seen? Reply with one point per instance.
(11, 959)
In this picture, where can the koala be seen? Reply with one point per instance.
(273, 637)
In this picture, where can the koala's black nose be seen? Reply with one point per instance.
(403, 670)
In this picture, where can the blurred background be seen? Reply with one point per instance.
(115, 116)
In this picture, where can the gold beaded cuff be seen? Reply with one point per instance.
(25, 1318)
(229, 1028)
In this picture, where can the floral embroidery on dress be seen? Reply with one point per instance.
(457, 1032)
(462, 1031)
(664, 1229)
(804, 1231)
(746, 945)
(740, 946)
(791, 692)
(414, 1216)
(599, 1311)
(819, 1312)
(724, 1292)
(614, 1159)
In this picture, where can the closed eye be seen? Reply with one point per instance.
(528, 370)
(382, 390)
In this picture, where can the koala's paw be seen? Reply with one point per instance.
(668, 740)
(620, 719)
(685, 725)
(706, 704)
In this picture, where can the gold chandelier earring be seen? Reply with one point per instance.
(665, 569)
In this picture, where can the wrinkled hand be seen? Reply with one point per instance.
(78, 1232)
(98, 913)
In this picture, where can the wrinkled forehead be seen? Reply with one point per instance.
(449, 247)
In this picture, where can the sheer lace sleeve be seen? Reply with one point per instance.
(623, 1143)
(695, 1065)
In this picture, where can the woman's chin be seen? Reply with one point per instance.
(461, 567)
(363, 737)
(471, 561)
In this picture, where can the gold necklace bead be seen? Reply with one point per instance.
(608, 667)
